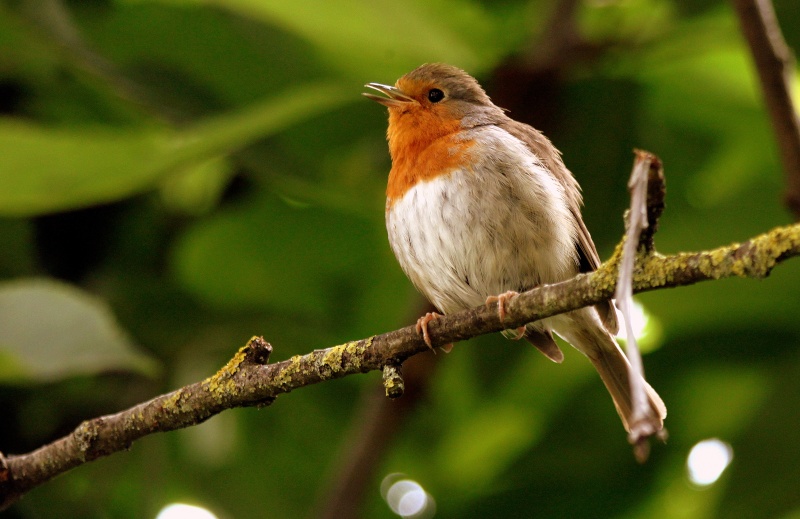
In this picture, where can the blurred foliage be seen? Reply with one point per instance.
(180, 175)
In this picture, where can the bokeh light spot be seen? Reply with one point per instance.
(407, 498)
(646, 328)
(708, 460)
(182, 511)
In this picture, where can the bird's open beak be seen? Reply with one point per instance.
(394, 96)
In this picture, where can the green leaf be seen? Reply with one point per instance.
(268, 254)
(387, 35)
(53, 169)
(197, 189)
(50, 330)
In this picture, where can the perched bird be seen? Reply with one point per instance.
(480, 207)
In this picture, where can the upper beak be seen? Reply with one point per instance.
(395, 96)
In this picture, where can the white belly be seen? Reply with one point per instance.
(470, 234)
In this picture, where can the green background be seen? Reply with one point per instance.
(177, 176)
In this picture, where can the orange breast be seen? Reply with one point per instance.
(423, 147)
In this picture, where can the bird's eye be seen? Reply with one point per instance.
(435, 95)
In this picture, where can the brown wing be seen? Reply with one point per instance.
(588, 258)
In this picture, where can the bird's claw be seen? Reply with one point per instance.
(422, 327)
(519, 333)
(501, 302)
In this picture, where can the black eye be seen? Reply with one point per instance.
(435, 95)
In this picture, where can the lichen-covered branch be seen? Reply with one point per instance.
(775, 64)
(249, 380)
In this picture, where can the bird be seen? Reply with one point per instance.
(480, 207)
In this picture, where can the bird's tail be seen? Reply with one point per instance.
(584, 330)
(614, 370)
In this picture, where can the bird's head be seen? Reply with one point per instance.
(431, 101)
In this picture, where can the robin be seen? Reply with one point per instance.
(480, 207)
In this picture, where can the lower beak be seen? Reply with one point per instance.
(394, 96)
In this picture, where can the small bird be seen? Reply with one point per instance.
(480, 207)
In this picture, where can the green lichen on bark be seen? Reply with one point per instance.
(283, 379)
(222, 383)
(176, 403)
(393, 381)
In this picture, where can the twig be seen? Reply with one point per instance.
(247, 380)
(775, 64)
(647, 201)
(393, 381)
(641, 415)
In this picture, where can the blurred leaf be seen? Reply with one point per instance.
(266, 254)
(50, 330)
(83, 166)
(198, 188)
(198, 60)
(386, 35)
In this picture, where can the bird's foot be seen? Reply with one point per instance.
(422, 329)
(501, 300)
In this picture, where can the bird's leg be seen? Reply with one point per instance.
(422, 329)
(501, 310)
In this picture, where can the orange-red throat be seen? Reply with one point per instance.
(423, 136)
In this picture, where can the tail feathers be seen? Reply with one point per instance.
(544, 342)
(586, 333)
(613, 368)
(608, 314)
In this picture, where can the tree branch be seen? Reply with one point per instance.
(249, 380)
(775, 64)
